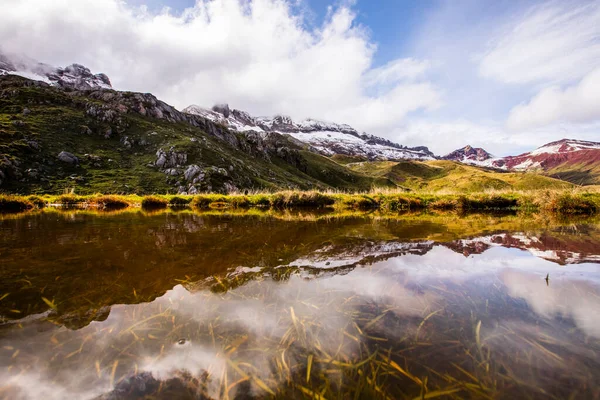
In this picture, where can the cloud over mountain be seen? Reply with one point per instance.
(260, 55)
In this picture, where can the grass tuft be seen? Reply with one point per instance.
(154, 202)
(111, 202)
(10, 203)
(572, 204)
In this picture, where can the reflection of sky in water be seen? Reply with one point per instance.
(54, 362)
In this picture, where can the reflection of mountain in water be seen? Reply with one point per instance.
(85, 263)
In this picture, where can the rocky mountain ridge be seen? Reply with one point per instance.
(74, 76)
(324, 137)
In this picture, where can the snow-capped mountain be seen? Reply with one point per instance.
(566, 156)
(552, 155)
(325, 137)
(74, 76)
(469, 155)
(561, 249)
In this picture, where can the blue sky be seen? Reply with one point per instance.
(505, 75)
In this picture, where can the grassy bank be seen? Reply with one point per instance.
(571, 202)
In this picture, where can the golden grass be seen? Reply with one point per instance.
(584, 201)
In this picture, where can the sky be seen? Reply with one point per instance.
(504, 75)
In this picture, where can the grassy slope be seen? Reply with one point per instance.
(55, 122)
(584, 174)
(448, 175)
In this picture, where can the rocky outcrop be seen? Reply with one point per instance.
(68, 158)
(170, 159)
(74, 76)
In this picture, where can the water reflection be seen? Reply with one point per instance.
(223, 307)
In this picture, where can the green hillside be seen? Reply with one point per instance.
(451, 176)
(132, 143)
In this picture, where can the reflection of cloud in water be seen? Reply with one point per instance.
(575, 299)
(254, 323)
(442, 262)
(145, 336)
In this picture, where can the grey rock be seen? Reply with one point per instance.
(26, 111)
(192, 172)
(126, 142)
(86, 130)
(18, 123)
(170, 158)
(33, 144)
(68, 158)
(230, 188)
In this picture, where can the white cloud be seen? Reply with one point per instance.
(555, 42)
(577, 103)
(257, 55)
(396, 71)
(442, 137)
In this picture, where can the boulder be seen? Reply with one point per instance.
(192, 172)
(127, 143)
(170, 159)
(68, 158)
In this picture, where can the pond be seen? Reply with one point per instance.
(215, 305)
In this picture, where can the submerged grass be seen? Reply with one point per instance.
(560, 202)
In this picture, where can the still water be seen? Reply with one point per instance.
(205, 306)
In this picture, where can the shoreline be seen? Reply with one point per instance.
(556, 202)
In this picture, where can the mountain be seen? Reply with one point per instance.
(577, 161)
(469, 155)
(324, 137)
(74, 76)
(76, 135)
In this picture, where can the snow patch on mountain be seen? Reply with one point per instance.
(470, 155)
(325, 137)
(74, 76)
(564, 146)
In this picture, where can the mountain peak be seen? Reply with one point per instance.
(75, 76)
(222, 109)
(469, 155)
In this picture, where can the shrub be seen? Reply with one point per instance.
(201, 202)
(178, 201)
(111, 202)
(301, 199)
(239, 201)
(154, 202)
(14, 204)
(70, 200)
(37, 201)
(401, 203)
(444, 204)
(572, 205)
(259, 200)
(362, 202)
